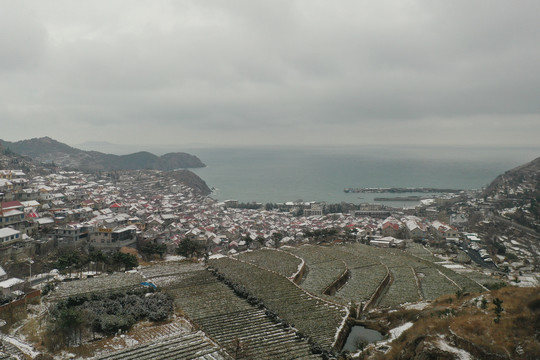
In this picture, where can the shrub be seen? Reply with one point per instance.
(534, 305)
(113, 312)
(111, 324)
(495, 285)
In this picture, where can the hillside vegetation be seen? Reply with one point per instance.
(453, 326)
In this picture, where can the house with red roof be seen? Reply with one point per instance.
(117, 207)
(444, 231)
(391, 227)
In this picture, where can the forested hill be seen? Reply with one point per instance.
(47, 150)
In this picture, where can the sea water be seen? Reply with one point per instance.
(278, 174)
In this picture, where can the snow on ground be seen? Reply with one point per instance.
(217, 256)
(174, 258)
(454, 266)
(165, 280)
(460, 353)
(393, 334)
(527, 281)
(418, 306)
(25, 348)
(396, 332)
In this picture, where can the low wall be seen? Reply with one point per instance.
(387, 279)
(338, 283)
(297, 279)
(26, 299)
(344, 334)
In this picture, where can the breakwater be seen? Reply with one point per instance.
(400, 190)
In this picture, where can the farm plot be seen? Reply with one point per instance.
(177, 346)
(363, 282)
(365, 255)
(174, 272)
(172, 268)
(238, 327)
(103, 283)
(366, 271)
(403, 289)
(421, 252)
(479, 277)
(281, 262)
(323, 267)
(201, 294)
(462, 281)
(433, 284)
(395, 259)
(311, 316)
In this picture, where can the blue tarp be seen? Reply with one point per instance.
(149, 284)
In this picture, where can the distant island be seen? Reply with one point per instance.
(48, 151)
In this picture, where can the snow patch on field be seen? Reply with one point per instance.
(25, 348)
(418, 306)
(460, 353)
(527, 281)
(165, 280)
(454, 266)
(174, 258)
(396, 332)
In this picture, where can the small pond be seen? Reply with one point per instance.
(360, 334)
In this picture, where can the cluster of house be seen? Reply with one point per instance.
(109, 211)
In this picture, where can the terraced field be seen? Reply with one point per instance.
(433, 283)
(479, 277)
(185, 346)
(415, 275)
(281, 262)
(367, 273)
(323, 267)
(242, 330)
(462, 281)
(421, 252)
(312, 316)
(102, 283)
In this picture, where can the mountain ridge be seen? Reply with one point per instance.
(517, 194)
(48, 150)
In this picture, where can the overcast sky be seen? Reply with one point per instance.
(271, 72)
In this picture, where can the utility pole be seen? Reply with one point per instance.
(30, 262)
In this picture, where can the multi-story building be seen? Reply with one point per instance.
(11, 214)
(9, 236)
(114, 238)
(71, 234)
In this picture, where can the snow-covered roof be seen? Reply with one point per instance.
(6, 284)
(5, 232)
(45, 221)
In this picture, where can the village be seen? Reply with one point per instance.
(152, 215)
(118, 210)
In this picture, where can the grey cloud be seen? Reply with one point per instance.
(22, 38)
(237, 67)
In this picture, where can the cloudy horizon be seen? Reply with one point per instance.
(218, 73)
